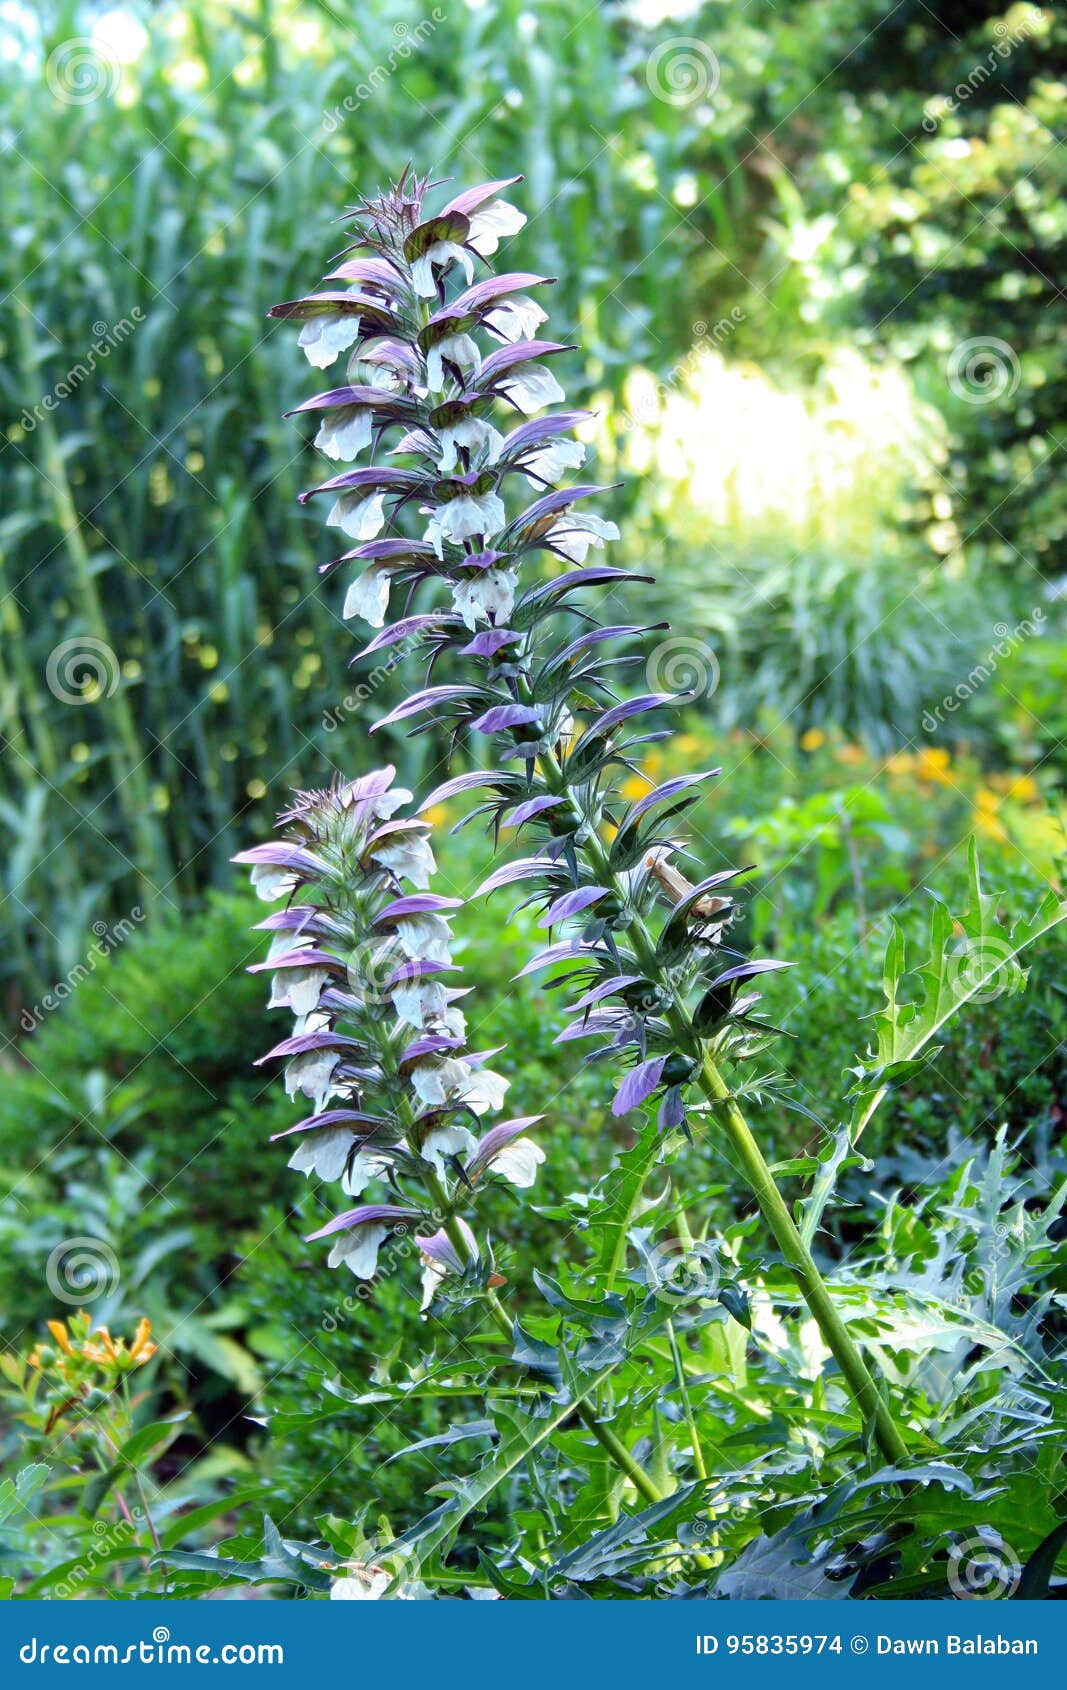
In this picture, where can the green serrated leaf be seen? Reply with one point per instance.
(973, 962)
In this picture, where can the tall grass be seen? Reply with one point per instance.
(148, 484)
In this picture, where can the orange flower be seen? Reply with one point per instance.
(142, 1349)
(59, 1332)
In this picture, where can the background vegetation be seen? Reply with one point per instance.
(810, 251)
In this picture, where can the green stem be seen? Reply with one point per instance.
(750, 1160)
(690, 1417)
(801, 1263)
(124, 751)
(604, 1436)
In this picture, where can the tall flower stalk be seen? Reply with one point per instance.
(378, 1046)
(465, 543)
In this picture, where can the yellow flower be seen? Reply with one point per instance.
(811, 739)
(990, 826)
(932, 763)
(635, 786)
(987, 801)
(1024, 789)
(850, 754)
(436, 815)
(901, 763)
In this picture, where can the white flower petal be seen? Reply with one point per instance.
(366, 1165)
(516, 319)
(369, 1585)
(432, 1275)
(484, 1090)
(480, 439)
(442, 252)
(446, 1141)
(357, 515)
(285, 942)
(297, 989)
(345, 433)
(310, 1073)
(419, 1002)
(388, 802)
(324, 1152)
(410, 856)
(439, 1079)
(458, 349)
(480, 514)
(491, 223)
(427, 936)
(270, 882)
(454, 1023)
(518, 1162)
(368, 596)
(547, 466)
(531, 387)
(358, 1248)
(574, 535)
(322, 338)
(487, 596)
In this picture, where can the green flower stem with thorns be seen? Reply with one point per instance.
(749, 1158)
